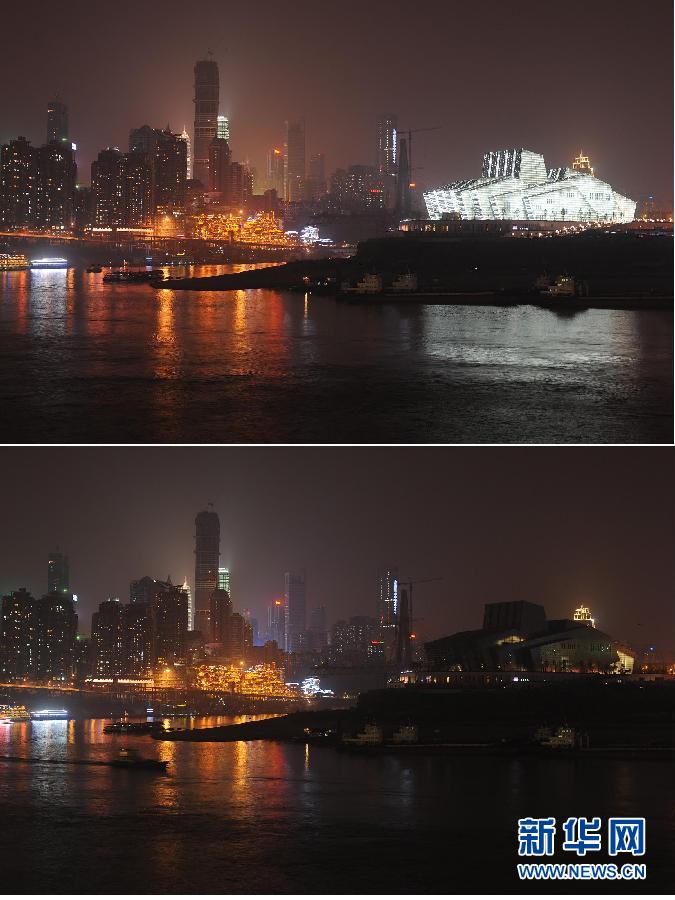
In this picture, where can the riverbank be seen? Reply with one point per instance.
(618, 270)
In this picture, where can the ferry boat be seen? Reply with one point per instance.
(13, 261)
(127, 277)
(11, 714)
(129, 759)
(49, 262)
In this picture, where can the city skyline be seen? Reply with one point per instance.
(600, 104)
(547, 556)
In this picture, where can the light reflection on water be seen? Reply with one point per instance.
(273, 817)
(83, 360)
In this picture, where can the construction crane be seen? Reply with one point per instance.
(410, 132)
(405, 619)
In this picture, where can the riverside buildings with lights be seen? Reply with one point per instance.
(516, 185)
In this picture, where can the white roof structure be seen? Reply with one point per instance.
(515, 184)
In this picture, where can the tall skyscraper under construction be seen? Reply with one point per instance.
(207, 91)
(207, 553)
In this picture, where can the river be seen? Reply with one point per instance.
(279, 818)
(83, 361)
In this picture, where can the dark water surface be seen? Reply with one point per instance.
(82, 361)
(270, 817)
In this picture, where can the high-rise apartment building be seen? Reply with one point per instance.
(294, 162)
(137, 638)
(122, 189)
(295, 598)
(17, 183)
(17, 635)
(57, 122)
(207, 91)
(55, 634)
(220, 158)
(220, 613)
(106, 640)
(207, 554)
(55, 179)
(170, 624)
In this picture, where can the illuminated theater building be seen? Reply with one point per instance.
(516, 185)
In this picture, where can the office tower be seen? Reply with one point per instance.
(219, 165)
(184, 136)
(276, 623)
(17, 183)
(136, 638)
(275, 171)
(386, 604)
(17, 635)
(295, 598)
(207, 554)
(57, 122)
(55, 633)
(170, 623)
(58, 573)
(223, 129)
(220, 612)
(317, 633)
(294, 162)
(207, 90)
(191, 609)
(403, 651)
(224, 580)
(387, 158)
(106, 639)
(56, 175)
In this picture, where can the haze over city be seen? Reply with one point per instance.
(595, 78)
(557, 528)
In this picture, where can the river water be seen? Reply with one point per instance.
(265, 817)
(84, 361)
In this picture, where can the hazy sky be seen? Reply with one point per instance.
(546, 76)
(554, 526)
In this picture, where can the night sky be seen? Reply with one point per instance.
(558, 526)
(550, 77)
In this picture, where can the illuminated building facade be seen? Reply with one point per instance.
(17, 635)
(122, 189)
(582, 164)
(207, 92)
(57, 122)
(223, 130)
(224, 580)
(184, 136)
(170, 624)
(387, 158)
(56, 174)
(515, 184)
(137, 638)
(166, 155)
(17, 183)
(260, 680)
(295, 165)
(583, 614)
(207, 555)
(191, 610)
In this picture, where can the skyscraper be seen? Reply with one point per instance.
(387, 157)
(276, 623)
(191, 605)
(219, 166)
(224, 580)
(295, 597)
(223, 128)
(295, 162)
(56, 174)
(57, 121)
(58, 573)
(207, 554)
(106, 639)
(275, 171)
(184, 136)
(170, 623)
(17, 183)
(207, 91)
(386, 605)
(17, 633)
(55, 633)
